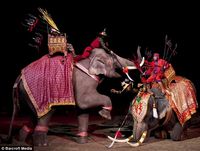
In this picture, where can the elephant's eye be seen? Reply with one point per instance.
(116, 64)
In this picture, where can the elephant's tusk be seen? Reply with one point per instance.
(133, 67)
(134, 144)
(142, 62)
(129, 77)
(120, 140)
(144, 134)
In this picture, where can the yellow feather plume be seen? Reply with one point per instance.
(48, 19)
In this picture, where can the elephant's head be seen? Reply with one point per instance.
(107, 63)
(150, 122)
(145, 121)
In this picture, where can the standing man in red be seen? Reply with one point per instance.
(98, 42)
(156, 71)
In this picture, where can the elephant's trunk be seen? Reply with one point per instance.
(140, 64)
(138, 129)
(125, 62)
(130, 64)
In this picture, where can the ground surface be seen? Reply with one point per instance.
(62, 132)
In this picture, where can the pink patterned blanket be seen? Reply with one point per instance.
(48, 82)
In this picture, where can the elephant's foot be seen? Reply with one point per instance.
(176, 132)
(161, 134)
(82, 139)
(23, 133)
(105, 113)
(40, 136)
(40, 139)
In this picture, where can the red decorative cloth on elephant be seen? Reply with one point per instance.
(48, 82)
(140, 105)
(183, 98)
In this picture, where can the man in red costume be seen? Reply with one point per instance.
(156, 71)
(98, 42)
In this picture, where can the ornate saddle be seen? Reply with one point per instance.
(170, 74)
(57, 43)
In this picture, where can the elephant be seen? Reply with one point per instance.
(160, 111)
(85, 80)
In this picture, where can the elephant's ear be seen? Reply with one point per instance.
(98, 65)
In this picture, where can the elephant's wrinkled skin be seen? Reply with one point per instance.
(86, 95)
(167, 119)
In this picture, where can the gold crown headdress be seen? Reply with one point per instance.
(56, 42)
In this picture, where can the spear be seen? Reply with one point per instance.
(174, 52)
(165, 47)
(169, 44)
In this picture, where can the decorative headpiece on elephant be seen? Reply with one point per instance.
(171, 110)
(84, 79)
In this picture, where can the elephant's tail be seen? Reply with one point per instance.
(15, 107)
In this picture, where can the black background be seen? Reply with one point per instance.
(128, 24)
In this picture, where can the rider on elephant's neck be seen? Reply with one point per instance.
(99, 42)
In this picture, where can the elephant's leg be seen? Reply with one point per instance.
(95, 99)
(161, 133)
(176, 132)
(41, 130)
(83, 119)
(27, 129)
(24, 132)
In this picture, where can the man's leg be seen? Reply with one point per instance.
(161, 86)
(148, 84)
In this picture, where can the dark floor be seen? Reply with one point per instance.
(63, 128)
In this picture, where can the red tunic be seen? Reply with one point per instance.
(156, 70)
